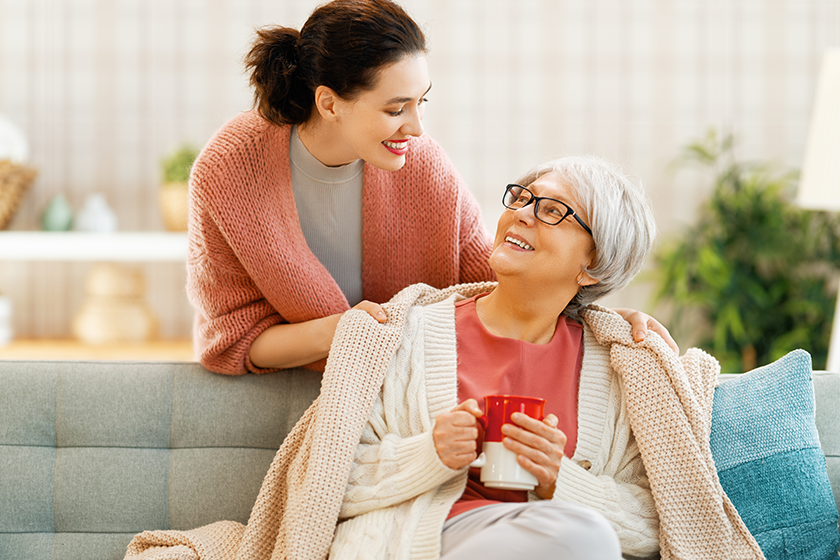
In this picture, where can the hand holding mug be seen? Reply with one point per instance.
(455, 433)
(539, 448)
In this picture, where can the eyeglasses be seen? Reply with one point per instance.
(547, 210)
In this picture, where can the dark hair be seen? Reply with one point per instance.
(343, 45)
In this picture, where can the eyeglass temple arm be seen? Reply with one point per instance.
(583, 225)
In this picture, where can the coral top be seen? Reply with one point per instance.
(249, 266)
(494, 365)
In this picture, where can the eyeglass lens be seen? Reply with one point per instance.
(547, 210)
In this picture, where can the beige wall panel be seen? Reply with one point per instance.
(104, 88)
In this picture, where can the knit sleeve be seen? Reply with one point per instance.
(475, 244)
(392, 470)
(624, 499)
(230, 310)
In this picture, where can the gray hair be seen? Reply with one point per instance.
(619, 214)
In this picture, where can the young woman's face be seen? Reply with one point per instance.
(544, 255)
(377, 125)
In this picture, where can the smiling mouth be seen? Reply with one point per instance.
(398, 148)
(519, 243)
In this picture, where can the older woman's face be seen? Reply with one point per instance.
(540, 254)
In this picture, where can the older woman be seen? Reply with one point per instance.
(524, 337)
(379, 465)
(574, 230)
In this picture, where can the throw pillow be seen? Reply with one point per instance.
(767, 452)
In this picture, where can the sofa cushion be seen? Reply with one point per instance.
(768, 455)
(92, 453)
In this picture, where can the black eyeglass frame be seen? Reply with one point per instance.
(536, 201)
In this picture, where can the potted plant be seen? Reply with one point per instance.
(759, 272)
(174, 188)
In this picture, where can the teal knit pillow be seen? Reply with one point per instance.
(767, 452)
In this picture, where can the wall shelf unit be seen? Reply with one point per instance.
(118, 247)
(114, 251)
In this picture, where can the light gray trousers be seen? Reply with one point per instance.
(520, 531)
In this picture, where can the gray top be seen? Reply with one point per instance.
(329, 206)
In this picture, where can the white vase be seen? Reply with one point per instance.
(13, 144)
(5, 320)
(95, 215)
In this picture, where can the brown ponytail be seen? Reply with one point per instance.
(342, 45)
(279, 96)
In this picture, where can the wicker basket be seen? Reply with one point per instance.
(15, 180)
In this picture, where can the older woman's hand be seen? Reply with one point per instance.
(455, 434)
(539, 448)
(640, 323)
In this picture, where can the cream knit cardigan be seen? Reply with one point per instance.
(358, 476)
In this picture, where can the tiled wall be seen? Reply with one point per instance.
(104, 88)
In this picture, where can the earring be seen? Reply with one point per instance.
(580, 280)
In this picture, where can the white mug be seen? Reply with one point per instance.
(500, 469)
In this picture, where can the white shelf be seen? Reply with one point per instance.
(93, 247)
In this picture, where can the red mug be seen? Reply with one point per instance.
(498, 408)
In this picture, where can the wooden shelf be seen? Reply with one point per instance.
(112, 249)
(140, 246)
(45, 349)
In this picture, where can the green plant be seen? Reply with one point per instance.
(759, 271)
(176, 167)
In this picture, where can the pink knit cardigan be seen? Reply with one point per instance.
(249, 266)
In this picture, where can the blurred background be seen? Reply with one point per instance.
(104, 90)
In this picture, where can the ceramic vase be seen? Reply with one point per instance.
(96, 215)
(173, 198)
(57, 215)
(114, 310)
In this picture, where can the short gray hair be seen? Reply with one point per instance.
(619, 213)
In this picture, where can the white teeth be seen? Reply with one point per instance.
(395, 145)
(519, 243)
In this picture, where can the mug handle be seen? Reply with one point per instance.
(482, 459)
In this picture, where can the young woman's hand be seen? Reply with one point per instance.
(641, 323)
(455, 434)
(374, 310)
(539, 448)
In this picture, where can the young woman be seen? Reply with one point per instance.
(328, 195)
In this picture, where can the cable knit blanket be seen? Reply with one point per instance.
(296, 512)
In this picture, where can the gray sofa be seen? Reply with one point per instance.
(92, 453)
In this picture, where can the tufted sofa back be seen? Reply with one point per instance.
(92, 453)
